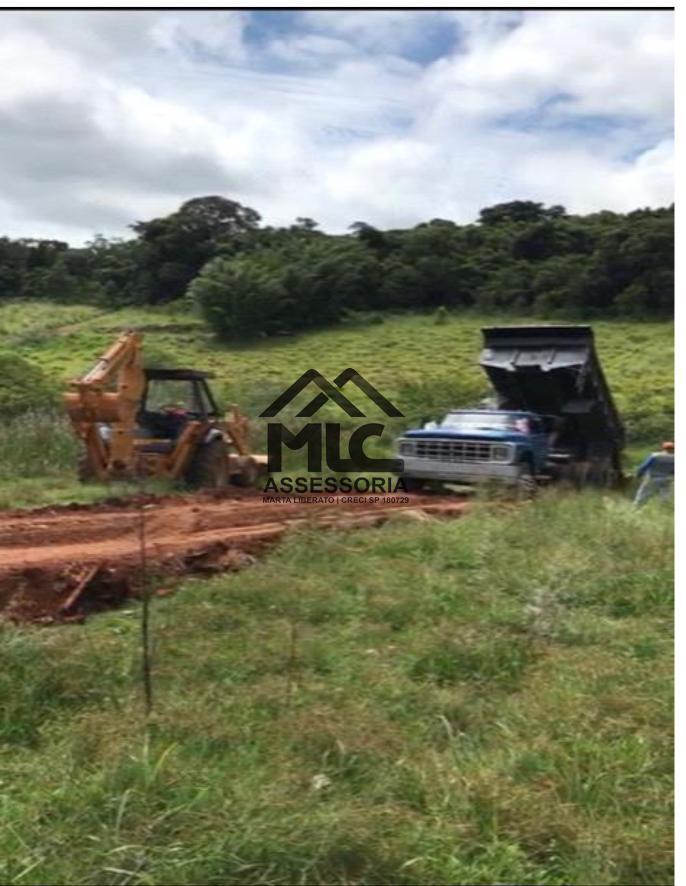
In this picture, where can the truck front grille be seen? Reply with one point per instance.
(454, 450)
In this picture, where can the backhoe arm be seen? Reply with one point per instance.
(110, 393)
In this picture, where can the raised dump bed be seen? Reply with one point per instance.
(554, 371)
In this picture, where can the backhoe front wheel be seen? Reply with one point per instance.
(210, 465)
(248, 473)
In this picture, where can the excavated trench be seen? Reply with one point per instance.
(61, 563)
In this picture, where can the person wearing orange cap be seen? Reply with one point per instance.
(656, 474)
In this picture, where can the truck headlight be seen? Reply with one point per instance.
(501, 452)
(405, 447)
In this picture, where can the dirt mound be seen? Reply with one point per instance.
(60, 563)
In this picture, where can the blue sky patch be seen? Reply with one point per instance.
(432, 35)
(263, 27)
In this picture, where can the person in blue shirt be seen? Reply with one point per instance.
(656, 474)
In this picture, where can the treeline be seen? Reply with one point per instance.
(519, 257)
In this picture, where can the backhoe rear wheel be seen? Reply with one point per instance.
(85, 470)
(210, 465)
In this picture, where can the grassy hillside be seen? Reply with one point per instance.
(478, 701)
(403, 352)
(424, 367)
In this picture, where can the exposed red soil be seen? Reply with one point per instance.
(59, 563)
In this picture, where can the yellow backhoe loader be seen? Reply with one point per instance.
(165, 423)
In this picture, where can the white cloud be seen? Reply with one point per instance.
(607, 62)
(108, 117)
(219, 34)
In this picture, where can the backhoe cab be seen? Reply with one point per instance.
(163, 423)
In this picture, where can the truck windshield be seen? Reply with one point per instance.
(485, 421)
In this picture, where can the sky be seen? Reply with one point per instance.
(390, 117)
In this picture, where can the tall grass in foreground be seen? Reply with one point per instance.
(486, 700)
(39, 456)
(36, 443)
(38, 460)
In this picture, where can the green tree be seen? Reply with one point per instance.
(519, 256)
(285, 289)
(514, 211)
(175, 247)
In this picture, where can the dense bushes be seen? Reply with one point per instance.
(23, 386)
(519, 257)
(281, 289)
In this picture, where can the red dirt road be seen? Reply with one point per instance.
(60, 563)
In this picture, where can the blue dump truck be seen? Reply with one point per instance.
(554, 418)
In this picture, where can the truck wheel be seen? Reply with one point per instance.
(579, 474)
(617, 477)
(412, 484)
(210, 465)
(601, 474)
(526, 485)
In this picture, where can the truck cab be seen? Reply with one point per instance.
(477, 445)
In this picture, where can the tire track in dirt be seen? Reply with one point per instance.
(60, 563)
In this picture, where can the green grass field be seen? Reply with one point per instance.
(404, 353)
(485, 700)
